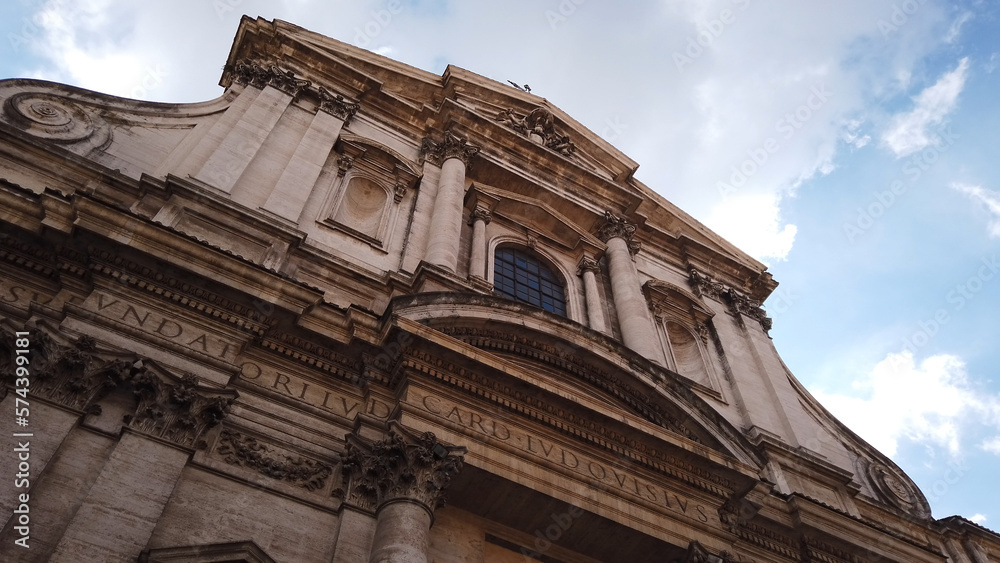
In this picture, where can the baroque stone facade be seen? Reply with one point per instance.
(353, 311)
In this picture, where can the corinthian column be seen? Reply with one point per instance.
(588, 271)
(638, 331)
(453, 154)
(477, 254)
(403, 477)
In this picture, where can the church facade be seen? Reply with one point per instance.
(355, 311)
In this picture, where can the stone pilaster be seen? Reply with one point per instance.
(588, 270)
(289, 195)
(453, 154)
(638, 331)
(481, 217)
(402, 478)
(123, 506)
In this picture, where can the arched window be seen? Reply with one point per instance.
(521, 276)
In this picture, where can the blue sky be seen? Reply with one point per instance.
(850, 145)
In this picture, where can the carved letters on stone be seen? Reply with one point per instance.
(739, 303)
(452, 146)
(539, 125)
(619, 227)
(416, 468)
(240, 449)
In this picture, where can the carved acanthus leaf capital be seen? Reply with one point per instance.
(588, 264)
(739, 303)
(177, 411)
(618, 227)
(336, 105)
(415, 468)
(261, 76)
(481, 214)
(452, 146)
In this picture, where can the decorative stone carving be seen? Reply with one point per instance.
(179, 411)
(893, 488)
(698, 554)
(739, 303)
(344, 163)
(588, 264)
(618, 227)
(240, 449)
(260, 76)
(55, 118)
(481, 214)
(539, 125)
(452, 146)
(401, 467)
(336, 105)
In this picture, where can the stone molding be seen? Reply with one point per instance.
(402, 467)
(619, 227)
(538, 125)
(179, 412)
(56, 118)
(739, 303)
(452, 146)
(238, 448)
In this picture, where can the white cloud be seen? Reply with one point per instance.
(989, 199)
(991, 445)
(978, 518)
(753, 223)
(908, 133)
(932, 404)
(956, 27)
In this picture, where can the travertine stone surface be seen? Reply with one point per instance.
(446, 220)
(633, 313)
(402, 533)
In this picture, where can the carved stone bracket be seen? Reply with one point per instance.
(618, 227)
(539, 126)
(415, 468)
(739, 303)
(240, 449)
(344, 163)
(452, 146)
(177, 411)
(336, 105)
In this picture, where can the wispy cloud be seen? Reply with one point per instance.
(956, 27)
(909, 132)
(932, 403)
(989, 199)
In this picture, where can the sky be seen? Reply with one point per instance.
(849, 145)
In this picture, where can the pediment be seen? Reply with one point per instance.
(584, 367)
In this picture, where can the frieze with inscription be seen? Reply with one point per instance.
(310, 393)
(609, 476)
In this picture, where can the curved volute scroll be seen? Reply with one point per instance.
(58, 119)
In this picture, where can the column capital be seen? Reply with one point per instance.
(336, 105)
(739, 303)
(618, 227)
(588, 264)
(452, 146)
(402, 467)
(262, 75)
(481, 214)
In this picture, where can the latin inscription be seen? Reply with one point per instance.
(612, 477)
(154, 323)
(310, 393)
(22, 296)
